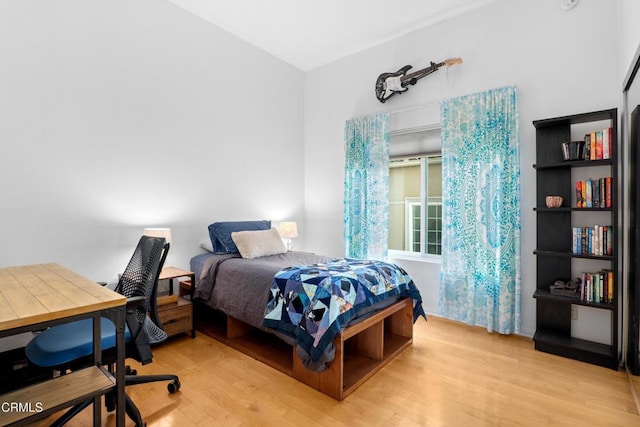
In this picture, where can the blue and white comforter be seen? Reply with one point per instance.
(313, 303)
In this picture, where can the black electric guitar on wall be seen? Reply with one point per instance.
(388, 84)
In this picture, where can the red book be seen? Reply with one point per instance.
(610, 242)
(579, 198)
(609, 183)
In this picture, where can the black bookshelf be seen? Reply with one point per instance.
(554, 254)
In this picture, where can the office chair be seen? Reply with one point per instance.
(70, 345)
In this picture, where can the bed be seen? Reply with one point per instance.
(275, 308)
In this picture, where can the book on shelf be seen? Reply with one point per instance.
(580, 203)
(596, 240)
(573, 150)
(597, 287)
(599, 144)
(594, 193)
(596, 145)
(610, 287)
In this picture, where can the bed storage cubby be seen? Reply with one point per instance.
(362, 349)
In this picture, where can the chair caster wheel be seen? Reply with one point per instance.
(129, 371)
(173, 386)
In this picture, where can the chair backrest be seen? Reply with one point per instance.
(140, 277)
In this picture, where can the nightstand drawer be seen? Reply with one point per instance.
(176, 316)
(176, 327)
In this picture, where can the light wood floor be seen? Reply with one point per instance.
(453, 375)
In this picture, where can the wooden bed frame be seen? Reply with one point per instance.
(361, 350)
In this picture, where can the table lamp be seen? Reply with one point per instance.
(288, 231)
(159, 232)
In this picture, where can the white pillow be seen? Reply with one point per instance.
(254, 244)
(207, 245)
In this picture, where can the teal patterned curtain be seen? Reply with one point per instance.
(480, 276)
(366, 187)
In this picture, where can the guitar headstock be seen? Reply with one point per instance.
(452, 61)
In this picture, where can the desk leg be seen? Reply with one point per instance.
(120, 345)
(97, 357)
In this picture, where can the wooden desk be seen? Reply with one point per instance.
(34, 297)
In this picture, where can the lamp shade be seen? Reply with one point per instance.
(288, 230)
(159, 232)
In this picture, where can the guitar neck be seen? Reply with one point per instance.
(421, 73)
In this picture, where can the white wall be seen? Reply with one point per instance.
(558, 65)
(629, 33)
(121, 114)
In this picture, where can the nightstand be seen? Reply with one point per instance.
(176, 311)
(185, 288)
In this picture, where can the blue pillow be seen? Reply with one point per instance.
(220, 233)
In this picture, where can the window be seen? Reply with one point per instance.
(415, 204)
(415, 194)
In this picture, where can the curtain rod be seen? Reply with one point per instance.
(438, 101)
(415, 107)
(402, 110)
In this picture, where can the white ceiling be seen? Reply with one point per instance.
(311, 33)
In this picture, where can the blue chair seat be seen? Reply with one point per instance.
(70, 341)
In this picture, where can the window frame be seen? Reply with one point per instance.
(409, 208)
(423, 200)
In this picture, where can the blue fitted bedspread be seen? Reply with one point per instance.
(313, 303)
